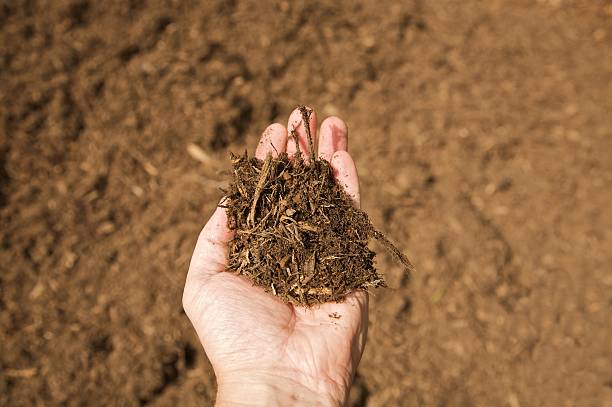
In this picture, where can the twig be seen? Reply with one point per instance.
(296, 140)
(306, 120)
(394, 250)
(263, 177)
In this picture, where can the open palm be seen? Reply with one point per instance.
(262, 349)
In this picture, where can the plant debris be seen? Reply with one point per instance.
(297, 233)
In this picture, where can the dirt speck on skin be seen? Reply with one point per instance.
(480, 130)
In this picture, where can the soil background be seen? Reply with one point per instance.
(482, 132)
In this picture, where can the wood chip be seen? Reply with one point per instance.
(197, 153)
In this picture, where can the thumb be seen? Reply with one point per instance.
(211, 250)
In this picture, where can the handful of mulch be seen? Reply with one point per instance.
(297, 233)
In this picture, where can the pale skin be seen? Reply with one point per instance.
(266, 352)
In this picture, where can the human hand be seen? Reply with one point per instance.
(264, 351)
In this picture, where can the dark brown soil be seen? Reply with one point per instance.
(297, 233)
(481, 131)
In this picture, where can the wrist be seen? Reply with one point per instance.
(276, 390)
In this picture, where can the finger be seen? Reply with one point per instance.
(297, 123)
(210, 254)
(345, 173)
(273, 140)
(332, 137)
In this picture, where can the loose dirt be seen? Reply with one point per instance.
(297, 233)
